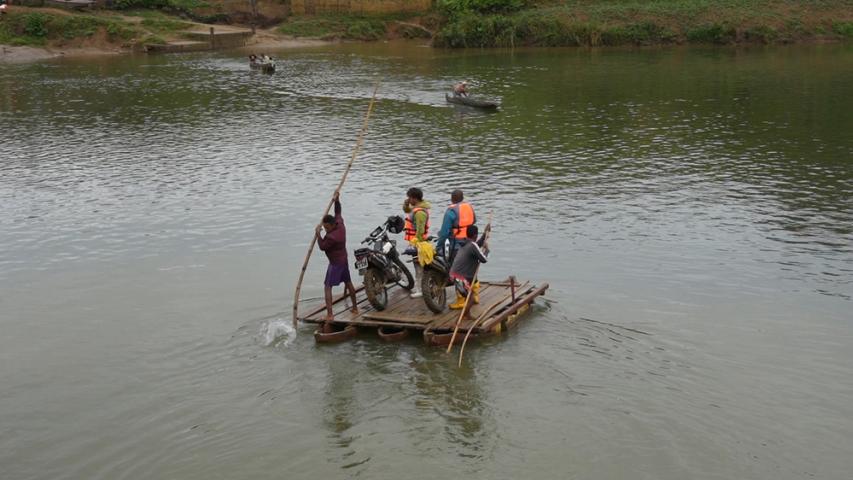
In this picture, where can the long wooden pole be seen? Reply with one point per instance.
(355, 151)
(471, 288)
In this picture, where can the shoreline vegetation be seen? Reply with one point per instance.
(131, 24)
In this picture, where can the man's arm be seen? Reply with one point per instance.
(481, 257)
(322, 242)
(446, 224)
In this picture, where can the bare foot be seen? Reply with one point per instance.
(354, 311)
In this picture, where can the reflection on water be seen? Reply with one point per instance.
(690, 208)
(407, 393)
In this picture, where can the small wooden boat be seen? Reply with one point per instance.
(442, 339)
(390, 333)
(470, 102)
(266, 67)
(335, 333)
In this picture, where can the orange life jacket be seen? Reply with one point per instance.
(409, 229)
(464, 216)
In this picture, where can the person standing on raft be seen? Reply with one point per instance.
(334, 244)
(416, 229)
(457, 217)
(464, 267)
(454, 227)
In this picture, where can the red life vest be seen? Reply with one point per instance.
(464, 216)
(409, 229)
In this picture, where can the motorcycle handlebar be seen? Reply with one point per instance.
(376, 233)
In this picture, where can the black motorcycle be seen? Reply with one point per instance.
(436, 278)
(380, 263)
(434, 283)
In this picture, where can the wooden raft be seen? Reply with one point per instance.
(501, 301)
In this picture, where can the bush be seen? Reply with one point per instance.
(763, 34)
(472, 30)
(713, 33)
(845, 29)
(645, 33)
(365, 30)
(35, 25)
(457, 7)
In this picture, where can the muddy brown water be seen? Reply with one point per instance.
(691, 209)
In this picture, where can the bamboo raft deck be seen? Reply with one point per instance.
(501, 303)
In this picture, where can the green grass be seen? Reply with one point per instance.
(175, 5)
(39, 28)
(845, 29)
(164, 25)
(354, 27)
(647, 22)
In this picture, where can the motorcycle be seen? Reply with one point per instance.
(436, 279)
(380, 264)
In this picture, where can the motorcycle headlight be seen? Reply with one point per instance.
(387, 248)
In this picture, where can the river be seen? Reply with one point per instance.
(690, 208)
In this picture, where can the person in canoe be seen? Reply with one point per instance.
(461, 89)
(334, 244)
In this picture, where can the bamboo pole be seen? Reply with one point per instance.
(359, 142)
(483, 317)
(471, 288)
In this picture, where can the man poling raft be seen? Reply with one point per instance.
(504, 300)
(334, 244)
(358, 144)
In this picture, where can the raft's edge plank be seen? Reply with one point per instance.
(405, 312)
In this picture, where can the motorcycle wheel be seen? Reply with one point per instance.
(374, 287)
(435, 294)
(405, 280)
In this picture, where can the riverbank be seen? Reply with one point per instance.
(34, 34)
(453, 24)
(510, 23)
(638, 22)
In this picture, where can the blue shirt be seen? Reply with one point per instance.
(446, 229)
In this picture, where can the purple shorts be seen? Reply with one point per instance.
(337, 274)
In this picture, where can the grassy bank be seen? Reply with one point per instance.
(358, 27)
(43, 27)
(460, 23)
(640, 22)
(37, 27)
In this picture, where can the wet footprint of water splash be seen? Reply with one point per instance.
(276, 332)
